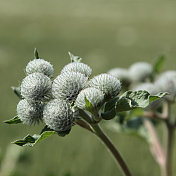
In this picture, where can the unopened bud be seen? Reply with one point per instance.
(68, 85)
(36, 86)
(29, 112)
(78, 67)
(93, 95)
(140, 71)
(58, 115)
(108, 84)
(40, 66)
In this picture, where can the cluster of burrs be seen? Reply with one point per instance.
(137, 72)
(139, 76)
(58, 102)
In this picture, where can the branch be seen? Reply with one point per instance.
(156, 148)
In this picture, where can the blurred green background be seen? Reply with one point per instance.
(106, 34)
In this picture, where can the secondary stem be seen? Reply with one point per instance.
(169, 150)
(170, 138)
(155, 146)
(117, 156)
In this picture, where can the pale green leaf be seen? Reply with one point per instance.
(36, 138)
(159, 63)
(135, 99)
(14, 120)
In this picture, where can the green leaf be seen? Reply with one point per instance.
(17, 91)
(110, 104)
(109, 114)
(158, 96)
(159, 63)
(138, 112)
(36, 54)
(135, 99)
(32, 140)
(109, 110)
(89, 105)
(14, 120)
(74, 58)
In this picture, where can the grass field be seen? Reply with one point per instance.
(105, 34)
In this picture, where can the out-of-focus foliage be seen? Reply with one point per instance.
(106, 34)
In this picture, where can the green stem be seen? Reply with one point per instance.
(169, 149)
(170, 138)
(108, 143)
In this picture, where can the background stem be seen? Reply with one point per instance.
(155, 146)
(169, 150)
(170, 138)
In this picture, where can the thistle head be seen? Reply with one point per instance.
(68, 85)
(166, 82)
(40, 66)
(140, 71)
(29, 112)
(93, 95)
(36, 86)
(120, 73)
(59, 116)
(106, 83)
(78, 67)
(149, 87)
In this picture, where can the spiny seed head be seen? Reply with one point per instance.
(68, 85)
(36, 86)
(29, 112)
(140, 71)
(40, 66)
(108, 84)
(149, 87)
(58, 115)
(78, 67)
(93, 95)
(166, 82)
(120, 73)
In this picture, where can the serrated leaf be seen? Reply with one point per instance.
(159, 63)
(135, 99)
(43, 136)
(17, 91)
(74, 58)
(158, 96)
(28, 140)
(14, 120)
(36, 138)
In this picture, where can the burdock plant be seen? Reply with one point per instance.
(74, 98)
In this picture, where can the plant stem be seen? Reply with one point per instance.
(155, 145)
(169, 149)
(108, 143)
(85, 125)
(170, 138)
